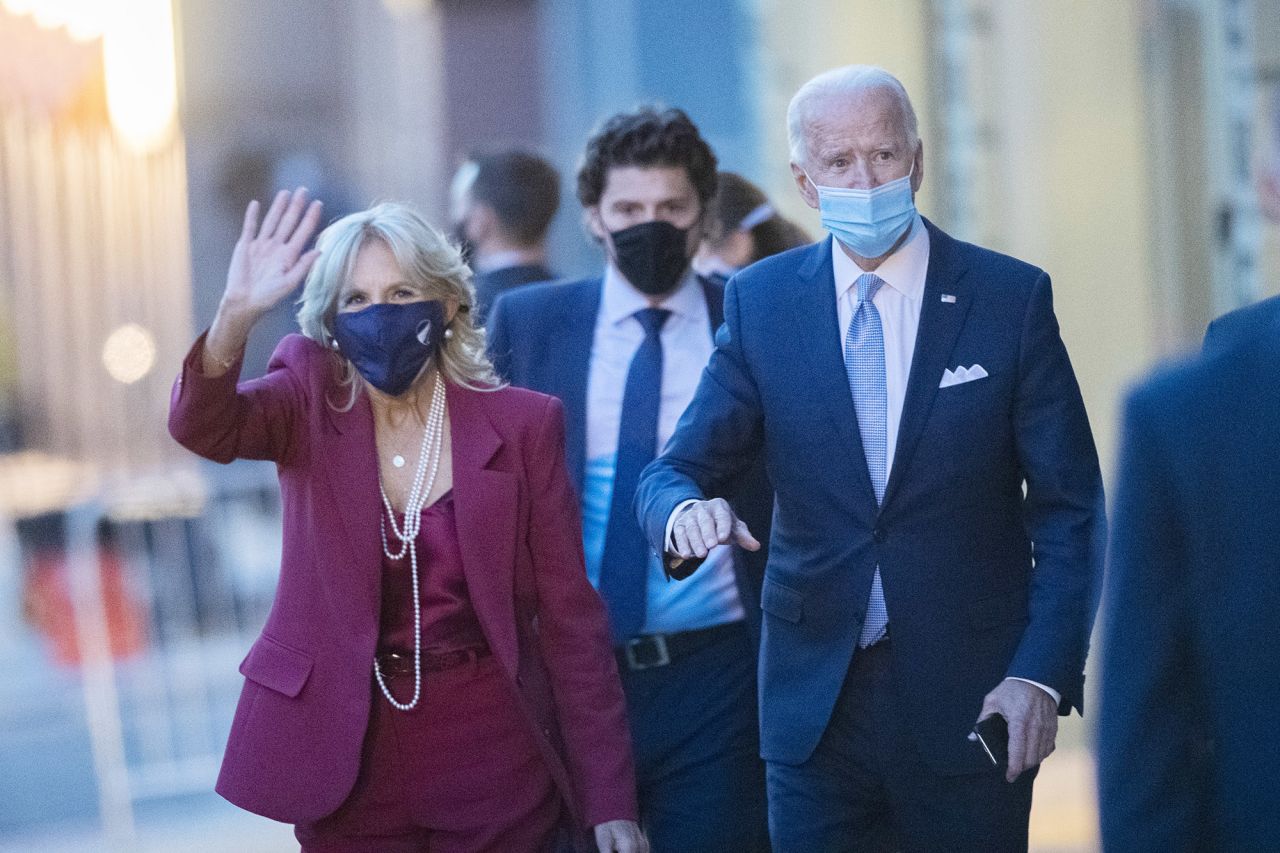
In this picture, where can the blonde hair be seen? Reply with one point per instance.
(430, 264)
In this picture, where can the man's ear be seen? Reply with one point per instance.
(917, 175)
(807, 190)
(482, 223)
(591, 220)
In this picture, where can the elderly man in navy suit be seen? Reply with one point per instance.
(938, 518)
(1187, 742)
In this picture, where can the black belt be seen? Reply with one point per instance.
(653, 650)
(400, 663)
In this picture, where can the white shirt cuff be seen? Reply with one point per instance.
(668, 545)
(1053, 694)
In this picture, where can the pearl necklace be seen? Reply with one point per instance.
(423, 483)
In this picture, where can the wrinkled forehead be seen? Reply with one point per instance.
(868, 113)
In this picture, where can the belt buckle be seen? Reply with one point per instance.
(647, 652)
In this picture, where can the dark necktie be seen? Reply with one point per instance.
(624, 568)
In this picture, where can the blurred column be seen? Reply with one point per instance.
(962, 148)
(93, 235)
(1203, 96)
(396, 104)
(1233, 99)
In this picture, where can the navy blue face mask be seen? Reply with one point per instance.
(389, 343)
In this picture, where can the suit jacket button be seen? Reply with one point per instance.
(878, 534)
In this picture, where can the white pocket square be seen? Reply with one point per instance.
(961, 375)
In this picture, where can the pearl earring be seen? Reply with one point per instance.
(448, 334)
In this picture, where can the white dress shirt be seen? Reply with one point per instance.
(711, 596)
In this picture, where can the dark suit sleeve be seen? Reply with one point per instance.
(1063, 510)
(498, 338)
(717, 438)
(574, 637)
(1214, 337)
(1149, 768)
(222, 420)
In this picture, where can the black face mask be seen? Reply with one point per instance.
(652, 255)
(390, 343)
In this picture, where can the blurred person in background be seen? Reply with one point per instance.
(435, 672)
(904, 388)
(503, 204)
(1187, 744)
(624, 351)
(742, 228)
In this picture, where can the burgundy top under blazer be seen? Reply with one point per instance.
(295, 743)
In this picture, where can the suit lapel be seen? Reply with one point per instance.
(350, 458)
(940, 324)
(570, 372)
(485, 505)
(713, 292)
(817, 328)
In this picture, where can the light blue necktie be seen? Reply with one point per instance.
(864, 364)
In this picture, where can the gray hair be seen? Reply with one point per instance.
(847, 80)
(431, 265)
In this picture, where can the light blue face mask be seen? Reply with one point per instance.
(870, 221)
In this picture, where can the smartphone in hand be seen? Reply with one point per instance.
(992, 734)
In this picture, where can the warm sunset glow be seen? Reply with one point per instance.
(82, 19)
(142, 88)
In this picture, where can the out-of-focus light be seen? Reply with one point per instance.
(18, 7)
(129, 353)
(406, 8)
(51, 14)
(33, 483)
(142, 85)
(87, 19)
(83, 19)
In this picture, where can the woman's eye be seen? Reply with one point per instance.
(353, 299)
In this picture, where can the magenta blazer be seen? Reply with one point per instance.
(295, 743)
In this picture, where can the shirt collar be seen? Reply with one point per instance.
(904, 270)
(498, 261)
(620, 300)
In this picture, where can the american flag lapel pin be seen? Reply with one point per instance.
(949, 299)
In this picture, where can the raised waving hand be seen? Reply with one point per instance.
(267, 264)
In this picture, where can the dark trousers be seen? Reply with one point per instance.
(867, 788)
(697, 748)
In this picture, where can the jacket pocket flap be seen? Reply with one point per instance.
(273, 664)
(781, 601)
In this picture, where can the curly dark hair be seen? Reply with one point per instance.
(647, 136)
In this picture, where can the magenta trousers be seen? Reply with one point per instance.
(460, 773)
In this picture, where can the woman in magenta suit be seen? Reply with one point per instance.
(435, 673)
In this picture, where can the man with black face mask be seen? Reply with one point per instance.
(625, 351)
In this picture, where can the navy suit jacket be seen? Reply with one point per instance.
(490, 285)
(1251, 321)
(980, 582)
(1187, 737)
(540, 337)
